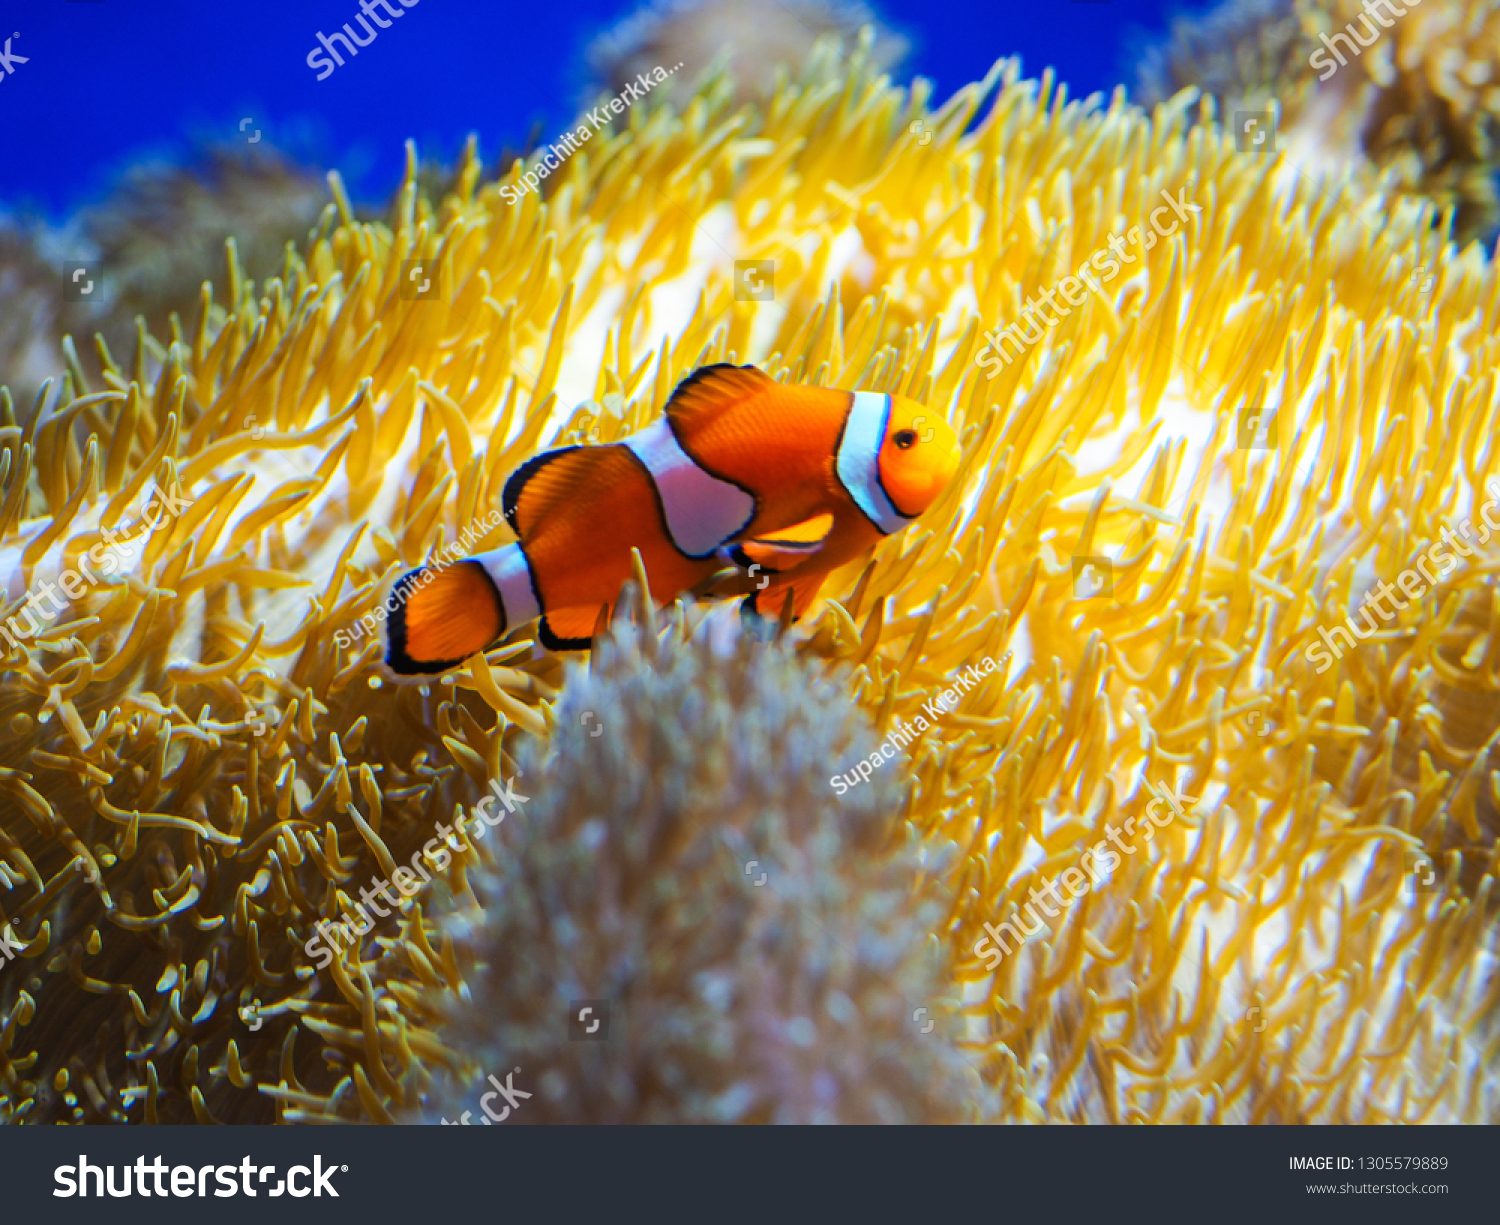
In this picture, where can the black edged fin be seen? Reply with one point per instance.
(450, 628)
(396, 657)
(711, 389)
(776, 552)
(566, 637)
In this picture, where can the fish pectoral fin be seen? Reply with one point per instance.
(810, 533)
(783, 550)
(769, 600)
(729, 581)
(759, 557)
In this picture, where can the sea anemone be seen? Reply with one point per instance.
(32, 293)
(762, 949)
(199, 770)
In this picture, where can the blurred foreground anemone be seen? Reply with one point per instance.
(198, 767)
(683, 858)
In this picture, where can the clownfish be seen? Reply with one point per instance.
(785, 482)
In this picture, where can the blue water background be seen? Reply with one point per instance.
(112, 83)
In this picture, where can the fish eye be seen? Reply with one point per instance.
(905, 438)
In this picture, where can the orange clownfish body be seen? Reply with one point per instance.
(740, 470)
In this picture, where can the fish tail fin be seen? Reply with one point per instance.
(439, 616)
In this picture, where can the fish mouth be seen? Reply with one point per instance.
(902, 510)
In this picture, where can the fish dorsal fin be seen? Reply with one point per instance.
(709, 390)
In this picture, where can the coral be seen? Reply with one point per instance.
(1238, 53)
(1434, 114)
(197, 768)
(159, 235)
(755, 40)
(1421, 103)
(32, 293)
(683, 856)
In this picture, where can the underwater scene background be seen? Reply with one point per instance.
(1147, 777)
